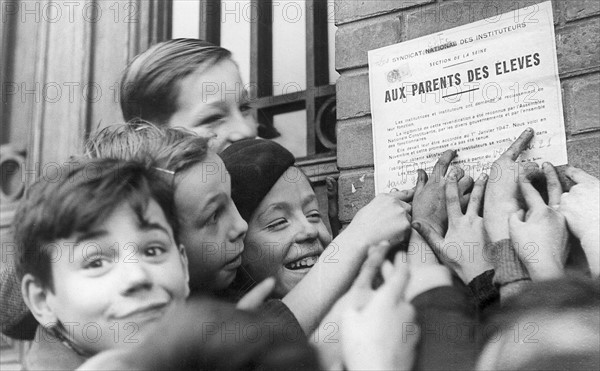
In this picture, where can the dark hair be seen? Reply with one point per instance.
(150, 83)
(545, 300)
(174, 149)
(76, 199)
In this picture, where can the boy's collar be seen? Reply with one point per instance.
(49, 352)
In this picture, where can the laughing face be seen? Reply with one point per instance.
(286, 234)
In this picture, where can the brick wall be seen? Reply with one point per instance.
(367, 24)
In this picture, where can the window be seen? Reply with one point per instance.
(285, 50)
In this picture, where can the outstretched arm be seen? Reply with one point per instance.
(383, 333)
(385, 218)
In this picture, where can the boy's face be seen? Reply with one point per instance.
(286, 234)
(112, 284)
(211, 229)
(214, 101)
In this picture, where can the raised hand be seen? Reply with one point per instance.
(386, 217)
(462, 249)
(382, 334)
(429, 200)
(501, 194)
(327, 336)
(581, 208)
(540, 236)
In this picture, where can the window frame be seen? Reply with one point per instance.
(318, 93)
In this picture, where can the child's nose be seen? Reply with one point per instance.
(307, 232)
(242, 127)
(135, 277)
(239, 228)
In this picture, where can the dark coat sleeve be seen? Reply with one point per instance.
(449, 330)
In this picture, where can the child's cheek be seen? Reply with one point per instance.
(324, 235)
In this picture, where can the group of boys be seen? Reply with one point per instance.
(100, 244)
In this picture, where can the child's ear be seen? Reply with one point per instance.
(184, 262)
(35, 296)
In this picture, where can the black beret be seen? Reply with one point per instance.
(254, 165)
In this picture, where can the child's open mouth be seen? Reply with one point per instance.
(303, 263)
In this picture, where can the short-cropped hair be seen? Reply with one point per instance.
(174, 149)
(78, 197)
(150, 83)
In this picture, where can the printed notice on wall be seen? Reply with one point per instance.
(474, 89)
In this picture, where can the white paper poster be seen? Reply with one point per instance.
(473, 88)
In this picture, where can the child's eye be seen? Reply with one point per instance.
(210, 120)
(276, 224)
(94, 263)
(246, 107)
(214, 218)
(315, 215)
(154, 251)
(211, 220)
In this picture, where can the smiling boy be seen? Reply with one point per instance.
(287, 238)
(98, 260)
(189, 83)
(286, 228)
(209, 225)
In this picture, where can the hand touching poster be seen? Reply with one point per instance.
(473, 88)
